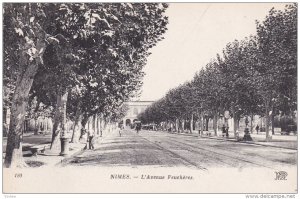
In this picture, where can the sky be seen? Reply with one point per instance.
(196, 33)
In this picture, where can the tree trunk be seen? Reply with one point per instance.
(14, 156)
(215, 123)
(46, 124)
(235, 125)
(56, 122)
(267, 120)
(100, 125)
(36, 126)
(6, 115)
(109, 125)
(206, 123)
(64, 124)
(83, 125)
(84, 121)
(59, 118)
(238, 123)
(251, 124)
(202, 124)
(177, 125)
(76, 127)
(89, 124)
(25, 126)
(191, 123)
(272, 121)
(97, 125)
(94, 124)
(105, 125)
(180, 126)
(4, 119)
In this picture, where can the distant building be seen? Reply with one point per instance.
(135, 108)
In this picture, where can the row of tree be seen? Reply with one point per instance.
(74, 61)
(255, 76)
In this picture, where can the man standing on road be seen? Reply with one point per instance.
(257, 128)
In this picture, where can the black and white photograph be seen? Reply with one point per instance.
(150, 97)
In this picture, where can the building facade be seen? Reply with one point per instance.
(135, 108)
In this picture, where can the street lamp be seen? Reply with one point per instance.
(247, 136)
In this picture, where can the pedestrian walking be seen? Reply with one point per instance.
(227, 130)
(257, 128)
(138, 127)
(119, 130)
(223, 130)
(91, 135)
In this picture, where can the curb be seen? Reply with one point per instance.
(62, 159)
(252, 143)
(185, 134)
(233, 140)
(71, 155)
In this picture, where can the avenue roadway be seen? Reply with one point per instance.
(162, 149)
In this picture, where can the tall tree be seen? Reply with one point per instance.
(115, 39)
(25, 42)
(277, 42)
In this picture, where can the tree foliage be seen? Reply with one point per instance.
(76, 56)
(252, 76)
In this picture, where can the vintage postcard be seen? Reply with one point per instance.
(150, 98)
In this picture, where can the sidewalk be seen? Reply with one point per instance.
(98, 141)
(279, 141)
(48, 157)
(52, 158)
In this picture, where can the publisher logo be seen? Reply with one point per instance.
(280, 175)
